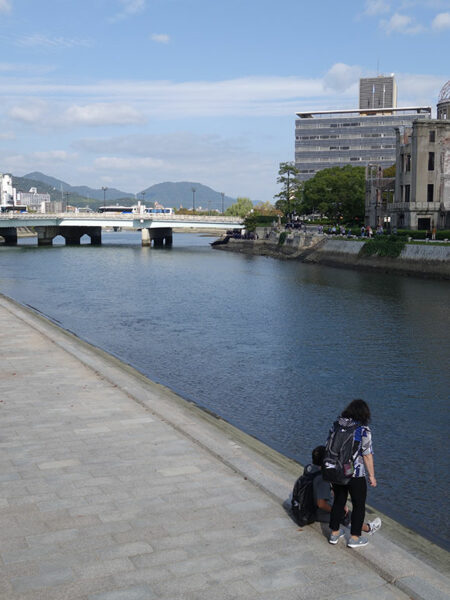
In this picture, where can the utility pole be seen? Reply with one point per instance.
(222, 194)
(104, 195)
(193, 199)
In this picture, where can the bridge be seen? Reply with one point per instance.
(156, 228)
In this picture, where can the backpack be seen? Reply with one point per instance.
(302, 502)
(341, 451)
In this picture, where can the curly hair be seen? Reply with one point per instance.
(357, 410)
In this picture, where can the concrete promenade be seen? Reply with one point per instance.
(114, 488)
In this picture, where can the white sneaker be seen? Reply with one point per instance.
(374, 525)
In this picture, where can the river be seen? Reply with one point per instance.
(277, 348)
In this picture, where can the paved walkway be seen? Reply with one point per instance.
(112, 488)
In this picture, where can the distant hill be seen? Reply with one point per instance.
(179, 194)
(78, 190)
(171, 194)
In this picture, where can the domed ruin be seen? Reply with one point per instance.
(443, 103)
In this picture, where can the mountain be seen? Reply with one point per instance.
(170, 194)
(180, 194)
(78, 190)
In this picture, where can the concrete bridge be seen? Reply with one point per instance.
(72, 226)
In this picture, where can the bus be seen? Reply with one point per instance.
(116, 209)
(159, 211)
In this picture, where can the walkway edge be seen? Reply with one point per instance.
(405, 567)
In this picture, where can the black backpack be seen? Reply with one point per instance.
(303, 505)
(340, 453)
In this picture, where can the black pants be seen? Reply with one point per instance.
(357, 487)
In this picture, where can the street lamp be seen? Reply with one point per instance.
(193, 199)
(104, 195)
(222, 194)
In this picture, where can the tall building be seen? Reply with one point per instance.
(358, 137)
(377, 92)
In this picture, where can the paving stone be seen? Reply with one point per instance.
(136, 592)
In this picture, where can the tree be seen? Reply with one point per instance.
(389, 171)
(240, 208)
(266, 208)
(289, 199)
(337, 192)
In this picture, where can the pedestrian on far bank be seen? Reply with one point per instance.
(356, 413)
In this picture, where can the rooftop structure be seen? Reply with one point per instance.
(377, 92)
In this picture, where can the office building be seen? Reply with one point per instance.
(358, 137)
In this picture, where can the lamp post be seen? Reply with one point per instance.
(193, 199)
(222, 194)
(104, 195)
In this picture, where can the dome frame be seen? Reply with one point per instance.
(444, 94)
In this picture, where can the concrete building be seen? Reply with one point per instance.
(7, 191)
(422, 182)
(32, 200)
(377, 92)
(358, 137)
(419, 195)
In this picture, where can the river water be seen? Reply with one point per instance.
(277, 348)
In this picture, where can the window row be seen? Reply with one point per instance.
(405, 193)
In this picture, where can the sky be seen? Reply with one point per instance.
(129, 93)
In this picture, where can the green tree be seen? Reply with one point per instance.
(337, 192)
(389, 171)
(289, 199)
(266, 208)
(240, 208)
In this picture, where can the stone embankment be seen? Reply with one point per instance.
(424, 260)
(113, 487)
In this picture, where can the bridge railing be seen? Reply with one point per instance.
(121, 217)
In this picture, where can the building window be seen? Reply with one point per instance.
(401, 194)
(407, 193)
(430, 192)
(431, 161)
(432, 136)
(408, 162)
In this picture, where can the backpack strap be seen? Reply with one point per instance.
(357, 439)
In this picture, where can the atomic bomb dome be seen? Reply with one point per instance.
(443, 104)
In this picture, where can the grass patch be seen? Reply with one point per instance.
(390, 246)
(282, 238)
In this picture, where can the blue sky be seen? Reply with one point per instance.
(128, 93)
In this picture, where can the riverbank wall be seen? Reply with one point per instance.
(115, 486)
(422, 260)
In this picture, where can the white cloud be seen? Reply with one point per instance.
(160, 38)
(31, 112)
(341, 77)
(52, 155)
(16, 68)
(44, 41)
(103, 114)
(129, 8)
(127, 164)
(7, 136)
(376, 7)
(5, 6)
(401, 24)
(441, 21)
(183, 156)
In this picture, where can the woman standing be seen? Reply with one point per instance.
(356, 413)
